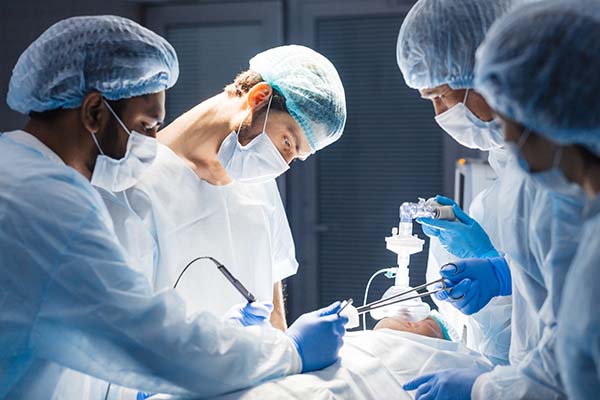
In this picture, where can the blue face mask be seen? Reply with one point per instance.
(515, 151)
(553, 179)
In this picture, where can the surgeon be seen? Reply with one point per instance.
(71, 307)
(436, 54)
(212, 191)
(519, 74)
(544, 86)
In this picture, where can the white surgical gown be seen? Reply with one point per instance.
(70, 304)
(489, 330)
(244, 226)
(540, 235)
(578, 347)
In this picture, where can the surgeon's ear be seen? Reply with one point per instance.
(91, 111)
(259, 95)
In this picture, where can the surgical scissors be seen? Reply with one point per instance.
(397, 298)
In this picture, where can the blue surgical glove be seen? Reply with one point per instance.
(249, 314)
(449, 384)
(318, 337)
(475, 282)
(464, 238)
(143, 396)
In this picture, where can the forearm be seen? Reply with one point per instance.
(278, 319)
(164, 352)
(146, 340)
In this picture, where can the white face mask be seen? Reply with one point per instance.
(119, 175)
(468, 130)
(257, 162)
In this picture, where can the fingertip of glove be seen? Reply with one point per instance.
(333, 308)
(443, 200)
(459, 290)
(443, 295)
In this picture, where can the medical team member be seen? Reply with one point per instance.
(212, 189)
(514, 94)
(436, 54)
(544, 86)
(70, 306)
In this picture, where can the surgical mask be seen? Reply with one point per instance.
(257, 162)
(553, 179)
(119, 175)
(514, 150)
(467, 129)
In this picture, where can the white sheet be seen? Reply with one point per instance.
(373, 365)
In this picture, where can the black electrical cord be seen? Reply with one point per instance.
(217, 263)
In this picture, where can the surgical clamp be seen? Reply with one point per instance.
(397, 298)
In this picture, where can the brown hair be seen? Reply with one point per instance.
(46, 116)
(247, 80)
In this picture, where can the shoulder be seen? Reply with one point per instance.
(60, 187)
(51, 198)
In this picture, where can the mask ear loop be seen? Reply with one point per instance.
(95, 139)
(466, 95)
(267, 114)
(524, 136)
(557, 158)
(242, 121)
(266, 117)
(116, 117)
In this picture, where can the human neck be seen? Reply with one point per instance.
(582, 169)
(591, 182)
(196, 136)
(64, 137)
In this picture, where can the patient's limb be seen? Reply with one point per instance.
(427, 327)
(278, 315)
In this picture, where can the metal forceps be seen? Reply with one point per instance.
(397, 298)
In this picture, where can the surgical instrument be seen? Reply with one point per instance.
(398, 298)
(250, 298)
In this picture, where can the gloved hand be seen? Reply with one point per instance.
(143, 395)
(249, 314)
(318, 337)
(475, 282)
(464, 238)
(449, 384)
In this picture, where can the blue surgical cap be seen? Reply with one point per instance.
(540, 66)
(438, 39)
(313, 92)
(112, 55)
